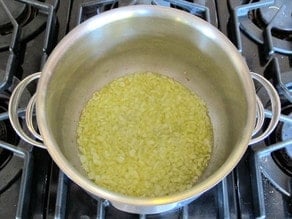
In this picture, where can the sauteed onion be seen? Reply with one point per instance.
(145, 135)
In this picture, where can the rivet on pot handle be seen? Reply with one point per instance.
(276, 110)
(13, 116)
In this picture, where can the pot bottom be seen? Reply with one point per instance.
(152, 209)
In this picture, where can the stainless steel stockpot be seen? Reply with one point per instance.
(138, 39)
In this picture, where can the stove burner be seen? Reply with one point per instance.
(265, 21)
(28, 17)
(283, 157)
(281, 21)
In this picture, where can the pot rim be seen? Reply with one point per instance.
(127, 12)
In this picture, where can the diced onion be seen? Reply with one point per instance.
(145, 135)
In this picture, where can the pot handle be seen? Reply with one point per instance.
(276, 110)
(13, 116)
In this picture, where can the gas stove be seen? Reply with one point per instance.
(32, 186)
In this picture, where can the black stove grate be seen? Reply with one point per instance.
(262, 164)
(10, 69)
(200, 8)
(13, 42)
(251, 18)
(281, 80)
(25, 182)
(91, 8)
(269, 183)
(221, 203)
(15, 46)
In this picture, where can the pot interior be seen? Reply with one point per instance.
(189, 51)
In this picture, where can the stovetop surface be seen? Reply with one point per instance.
(260, 186)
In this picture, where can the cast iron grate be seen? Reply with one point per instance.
(16, 31)
(262, 164)
(18, 26)
(91, 8)
(25, 182)
(265, 21)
